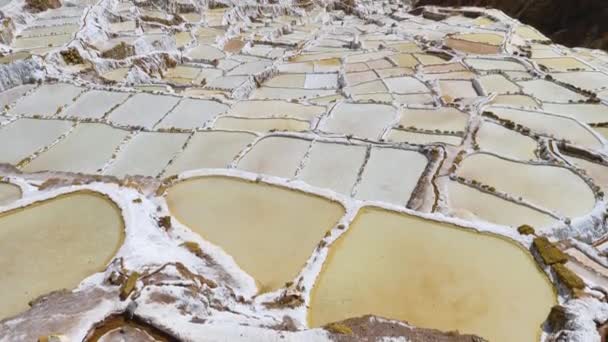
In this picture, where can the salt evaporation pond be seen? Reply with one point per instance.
(269, 231)
(432, 275)
(9, 193)
(53, 245)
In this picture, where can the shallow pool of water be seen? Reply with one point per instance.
(432, 275)
(26, 136)
(9, 193)
(360, 120)
(468, 203)
(54, 245)
(505, 142)
(549, 187)
(270, 231)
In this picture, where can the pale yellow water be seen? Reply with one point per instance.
(561, 63)
(527, 32)
(471, 204)
(422, 138)
(269, 231)
(487, 38)
(505, 142)
(9, 193)
(53, 245)
(603, 131)
(549, 187)
(261, 125)
(445, 119)
(432, 275)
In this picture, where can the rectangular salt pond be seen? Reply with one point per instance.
(562, 63)
(209, 149)
(192, 113)
(41, 42)
(551, 187)
(587, 113)
(49, 30)
(47, 100)
(251, 68)
(146, 154)
(26, 136)
(205, 53)
(86, 149)
(397, 135)
(376, 86)
(516, 100)
(361, 120)
(288, 93)
(444, 118)
(498, 84)
(559, 126)
(261, 125)
(143, 110)
(354, 78)
(226, 82)
(333, 166)
(549, 91)
(471, 204)
(95, 103)
(591, 81)
(272, 109)
(505, 142)
(9, 96)
(472, 47)
(484, 64)
(317, 81)
(405, 85)
(457, 89)
(277, 156)
(391, 175)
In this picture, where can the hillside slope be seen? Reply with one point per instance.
(571, 23)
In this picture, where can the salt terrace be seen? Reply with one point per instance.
(280, 170)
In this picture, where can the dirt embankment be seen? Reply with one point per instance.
(572, 23)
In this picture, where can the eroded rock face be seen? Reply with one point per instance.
(572, 23)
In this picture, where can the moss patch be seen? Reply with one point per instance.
(164, 222)
(119, 51)
(568, 278)
(193, 247)
(129, 286)
(525, 230)
(338, 328)
(72, 56)
(175, 20)
(548, 252)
